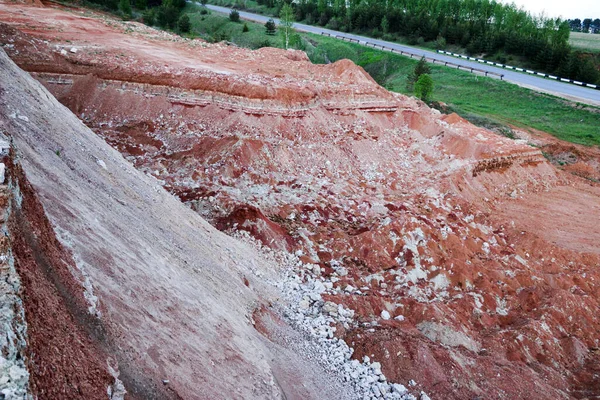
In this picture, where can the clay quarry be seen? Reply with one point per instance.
(185, 220)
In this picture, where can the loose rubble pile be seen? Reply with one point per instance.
(310, 313)
(302, 286)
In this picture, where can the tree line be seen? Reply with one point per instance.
(164, 13)
(481, 27)
(587, 25)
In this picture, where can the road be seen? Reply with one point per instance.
(565, 90)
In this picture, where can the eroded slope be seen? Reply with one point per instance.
(408, 217)
(120, 278)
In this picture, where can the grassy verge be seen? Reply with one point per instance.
(215, 27)
(484, 101)
(585, 41)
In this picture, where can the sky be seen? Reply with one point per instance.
(561, 8)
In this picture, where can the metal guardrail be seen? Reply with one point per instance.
(556, 78)
(411, 55)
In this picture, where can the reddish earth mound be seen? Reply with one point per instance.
(469, 259)
(114, 285)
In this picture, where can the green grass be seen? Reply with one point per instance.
(585, 41)
(215, 27)
(510, 104)
(484, 101)
(247, 5)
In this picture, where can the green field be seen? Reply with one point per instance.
(484, 101)
(585, 41)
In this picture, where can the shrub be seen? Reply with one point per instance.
(149, 17)
(125, 7)
(270, 27)
(440, 43)
(424, 87)
(234, 16)
(219, 37)
(184, 23)
(245, 28)
(420, 69)
(167, 16)
(264, 43)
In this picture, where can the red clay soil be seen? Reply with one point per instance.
(579, 160)
(65, 358)
(486, 253)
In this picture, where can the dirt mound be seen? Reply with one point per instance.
(468, 259)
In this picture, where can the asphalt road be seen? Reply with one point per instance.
(561, 89)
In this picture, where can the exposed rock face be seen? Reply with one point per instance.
(462, 239)
(123, 287)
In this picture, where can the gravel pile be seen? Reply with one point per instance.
(302, 286)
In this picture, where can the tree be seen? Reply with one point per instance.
(575, 25)
(421, 68)
(166, 16)
(149, 16)
(184, 23)
(287, 24)
(141, 4)
(385, 24)
(125, 7)
(586, 24)
(245, 28)
(270, 27)
(234, 16)
(424, 87)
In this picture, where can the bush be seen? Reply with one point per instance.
(219, 37)
(167, 16)
(421, 68)
(264, 43)
(245, 28)
(440, 43)
(125, 7)
(149, 17)
(296, 42)
(424, 87)
(204, 11)
(270, 27)
(333, 24)
(234, 16)
(184, 23)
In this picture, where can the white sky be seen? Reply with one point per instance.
(561, 8)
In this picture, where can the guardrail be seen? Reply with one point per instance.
(411, 55)
(544, 75)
